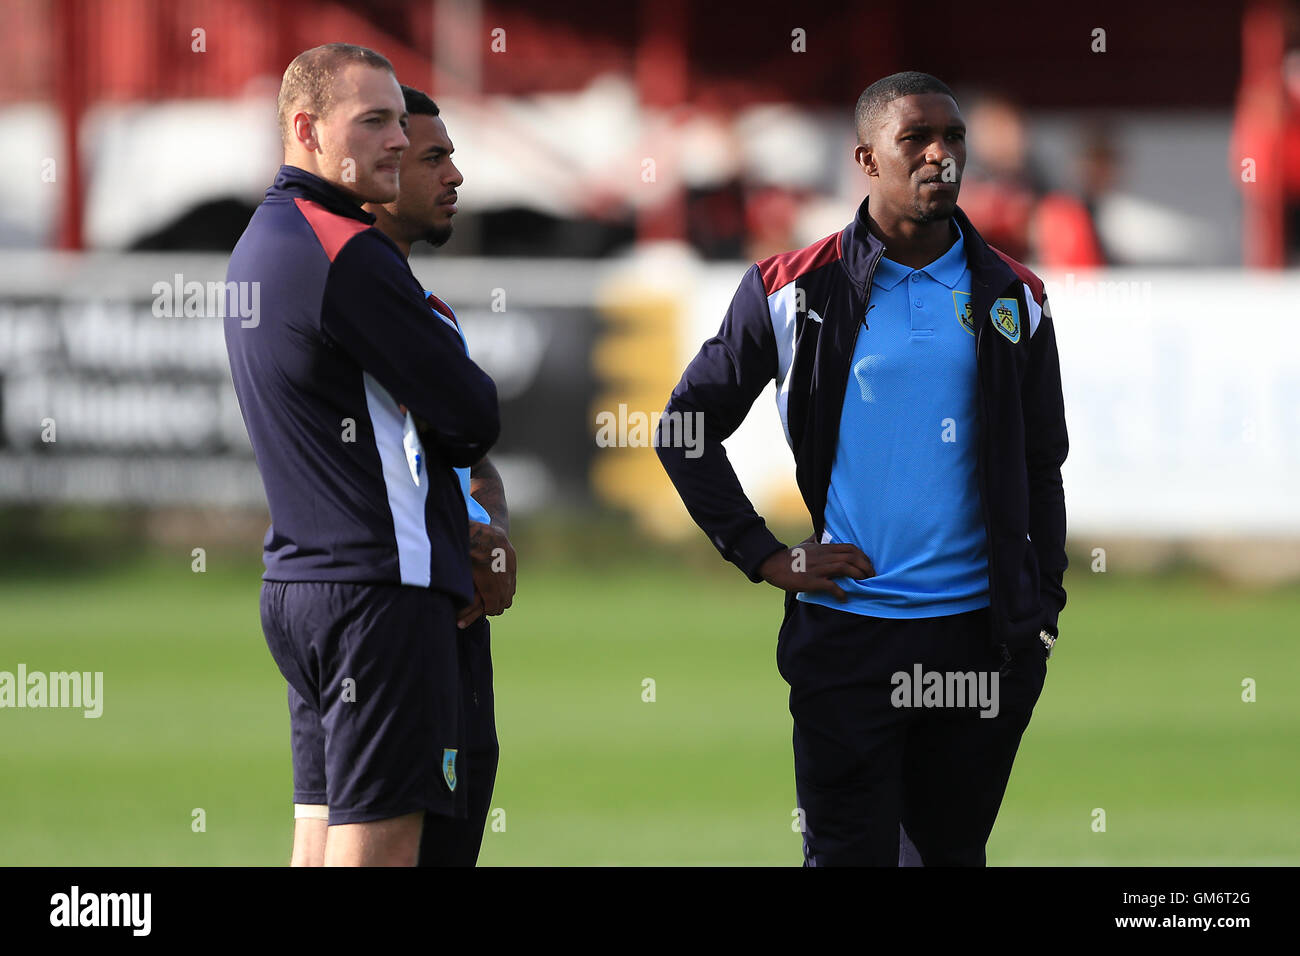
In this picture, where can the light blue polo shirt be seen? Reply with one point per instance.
(905, 483)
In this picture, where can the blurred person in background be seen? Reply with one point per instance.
(918, 384)
(423, 211)
(1291, 135)
(1013, 205)
(1264, 156)
(1000, 188)
(771, 215)
(1063, 231)
(367, 556)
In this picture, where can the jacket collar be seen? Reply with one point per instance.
(293, 183)
(859, 250)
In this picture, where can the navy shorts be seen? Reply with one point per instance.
(374, 696)
(869, 757)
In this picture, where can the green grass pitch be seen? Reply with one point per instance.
(1141, 716)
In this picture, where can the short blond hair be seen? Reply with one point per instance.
(309, 80)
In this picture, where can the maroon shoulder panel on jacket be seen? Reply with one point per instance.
(785, 267)
(331, 229)
(1024, 273)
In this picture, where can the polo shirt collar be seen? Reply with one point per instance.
(947, 269)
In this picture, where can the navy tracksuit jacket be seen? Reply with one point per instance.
(767, 335)
(330, 376)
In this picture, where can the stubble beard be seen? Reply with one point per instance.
(924, 216)
(439, 235)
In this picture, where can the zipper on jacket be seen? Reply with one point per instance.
(862, 320)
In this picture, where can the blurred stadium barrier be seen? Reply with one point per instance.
(1182, 389)
(116, 388)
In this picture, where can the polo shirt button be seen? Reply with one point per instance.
(917, 303)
